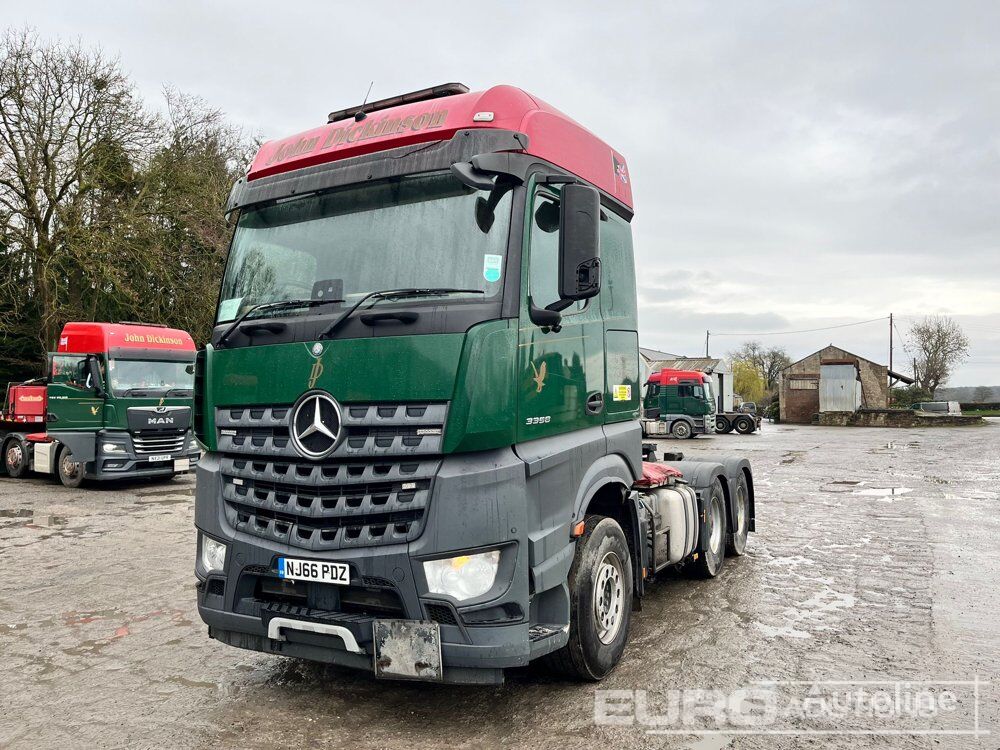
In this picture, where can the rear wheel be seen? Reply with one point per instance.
(744, 425)
(70, 470)
(600, 591)
(15, 457)
(737, 542)
(710, 560)
(680, 430)
(723, 425)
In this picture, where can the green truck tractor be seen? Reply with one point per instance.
(421, 401)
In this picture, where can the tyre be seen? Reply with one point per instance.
(744, 425)
(15, 457)
(70, 471)
(723, 425)
(600, 595)
(736, 544)
(710, 560)
(680, 430)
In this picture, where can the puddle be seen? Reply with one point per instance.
(17, 513)
(884, 491)
(841, 485)
(47, 521)
(28, 517)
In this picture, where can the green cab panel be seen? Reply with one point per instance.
(473, 371)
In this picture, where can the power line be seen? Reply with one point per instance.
(805, 330)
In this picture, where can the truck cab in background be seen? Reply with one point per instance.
(421, 401)
(681, 404)
(115, 403)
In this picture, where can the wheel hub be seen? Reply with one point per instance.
(70, 468)
(14, 455)
(609, 597)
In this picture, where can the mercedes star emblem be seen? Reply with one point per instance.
(316, 425)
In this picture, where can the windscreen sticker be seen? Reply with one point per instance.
(228, 308)
(622, 393)
(491, 267)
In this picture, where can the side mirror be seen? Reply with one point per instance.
(579, 242)
(94, 375)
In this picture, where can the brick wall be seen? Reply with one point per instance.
(800, 405)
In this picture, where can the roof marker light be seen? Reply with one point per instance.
(482, 117)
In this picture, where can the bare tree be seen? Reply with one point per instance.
(68, 118)
(940, 344)
(767, 362)
(106, 212)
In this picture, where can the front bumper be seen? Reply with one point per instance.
(128, 464)
(477, 502)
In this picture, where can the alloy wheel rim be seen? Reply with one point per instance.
(14, 455)
(609, 598)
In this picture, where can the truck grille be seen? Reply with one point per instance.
(373, 490)
(148, 446)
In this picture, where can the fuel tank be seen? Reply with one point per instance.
(675, 522)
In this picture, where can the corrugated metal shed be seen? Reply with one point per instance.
(839, 387)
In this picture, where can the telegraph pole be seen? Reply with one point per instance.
(890, 350)
(706, 344)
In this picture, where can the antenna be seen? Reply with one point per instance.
(361, 112)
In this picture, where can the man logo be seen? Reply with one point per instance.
(315, 425)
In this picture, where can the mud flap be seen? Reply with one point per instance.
(407, 649)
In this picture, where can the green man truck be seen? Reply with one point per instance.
(421, 401)
(115, 404)
(680, 404)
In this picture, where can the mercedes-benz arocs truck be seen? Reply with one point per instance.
(421, 401)
(115, 403)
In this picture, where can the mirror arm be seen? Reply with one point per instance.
(545, 317)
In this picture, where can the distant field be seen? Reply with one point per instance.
(983, 413)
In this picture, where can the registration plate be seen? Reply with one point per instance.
(158, 459)
(182, 464)
(314, 570)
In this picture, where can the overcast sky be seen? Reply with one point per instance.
(794, 165)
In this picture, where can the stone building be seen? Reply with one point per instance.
(801, 385)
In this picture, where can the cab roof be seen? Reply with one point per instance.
(552, 136)
(100, 338)
(673, 377)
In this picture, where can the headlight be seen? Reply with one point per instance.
(112, 448)
(213, 555)
(463, 577)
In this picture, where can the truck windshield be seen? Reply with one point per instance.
(130, 377)
(709, 396)
(418, 231)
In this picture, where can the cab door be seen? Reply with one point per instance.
(73, 402)
(561, 385)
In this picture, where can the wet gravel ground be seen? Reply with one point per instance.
(876, 557)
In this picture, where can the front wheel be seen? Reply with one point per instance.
(15, 458)
(70, 470)
(680, 430)
(710, 560)
(600, 591)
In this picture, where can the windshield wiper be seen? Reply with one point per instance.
(393, 294)
(182, 390)
(279, 305)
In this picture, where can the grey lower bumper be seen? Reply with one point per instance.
(478, 638)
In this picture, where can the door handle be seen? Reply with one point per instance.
(595, 402)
